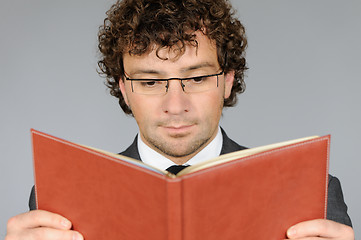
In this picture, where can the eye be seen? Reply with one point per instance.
(150, 83)
(199, 79)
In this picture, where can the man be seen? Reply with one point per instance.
(174, 65)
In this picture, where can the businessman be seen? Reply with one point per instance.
(174, 66)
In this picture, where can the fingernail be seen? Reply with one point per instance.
(291, 232)
(77, 236)
(66, 223)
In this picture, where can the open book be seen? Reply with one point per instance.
(256, 193)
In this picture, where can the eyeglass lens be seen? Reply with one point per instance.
(191, 85)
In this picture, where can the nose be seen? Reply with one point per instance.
(176, 100)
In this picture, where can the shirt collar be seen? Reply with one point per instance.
(153, 158)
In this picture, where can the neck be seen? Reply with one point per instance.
(182, 159)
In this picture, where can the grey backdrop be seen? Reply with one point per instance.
(304, 79)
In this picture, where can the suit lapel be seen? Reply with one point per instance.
(132, 150)
(229, 145)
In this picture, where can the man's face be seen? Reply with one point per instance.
(177, 124)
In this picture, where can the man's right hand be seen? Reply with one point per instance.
(39, 224)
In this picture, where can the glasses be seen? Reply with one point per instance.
(189, 85)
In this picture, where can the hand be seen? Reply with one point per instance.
(39, 224)
(320, 229)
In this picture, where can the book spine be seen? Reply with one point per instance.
(174, 209)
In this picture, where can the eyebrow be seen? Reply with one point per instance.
(197, 66)
(147, 71)
(185, 69)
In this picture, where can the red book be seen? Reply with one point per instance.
(251, 194)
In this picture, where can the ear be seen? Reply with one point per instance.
(228, 83)
(122, 89)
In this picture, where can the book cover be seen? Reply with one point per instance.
(254, 196)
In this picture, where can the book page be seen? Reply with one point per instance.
(128, 159)
(239, 154)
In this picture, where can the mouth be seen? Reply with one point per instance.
(178, 130)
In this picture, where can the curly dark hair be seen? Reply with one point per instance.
(134, 26)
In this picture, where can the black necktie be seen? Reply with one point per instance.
(176, 168)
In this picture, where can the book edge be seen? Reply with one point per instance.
(241, 154)
(328, 137)
(33, 131)
(110, 156)
(185, 173)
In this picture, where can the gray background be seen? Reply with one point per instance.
(304, 79)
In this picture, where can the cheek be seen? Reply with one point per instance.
(144, 109)
(210, 104)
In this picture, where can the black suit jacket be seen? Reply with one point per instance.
(336, 207)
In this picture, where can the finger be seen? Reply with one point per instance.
(48, 233)
(320, 228)
(38, 218)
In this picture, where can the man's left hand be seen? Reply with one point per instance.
(320, 229)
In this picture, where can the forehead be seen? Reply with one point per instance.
(172, 59)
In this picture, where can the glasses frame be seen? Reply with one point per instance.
(170, 79)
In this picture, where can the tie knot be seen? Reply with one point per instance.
(176, 168)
